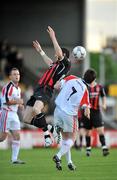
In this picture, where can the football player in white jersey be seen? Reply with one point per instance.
(73, 95)
(9, 120)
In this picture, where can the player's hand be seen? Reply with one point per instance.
(20, 101)
(87, 112)
(57, 86)
(51, 32)
(104, 107)
(21, 107)
(37, 46)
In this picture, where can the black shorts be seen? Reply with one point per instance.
(95, 120)
(43, 94)
(81, 123)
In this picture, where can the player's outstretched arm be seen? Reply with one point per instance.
(15, 101)
(87, 112)
(104, 106)
(57, 48)
(39, 49)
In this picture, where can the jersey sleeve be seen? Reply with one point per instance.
(3, 100)
(102, 91)
(6, 93)
(9, 91)
(20, 92)
(85, 99)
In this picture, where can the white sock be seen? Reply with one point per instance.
(46, 133)
(15, 150)
(68, 157)
(50, 128)
(104, 147)
(88, 148)
(65, 147)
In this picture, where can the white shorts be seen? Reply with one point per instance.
(68, 123)
(9, 120)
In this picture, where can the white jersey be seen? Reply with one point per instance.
(73, 94)
(10, 92)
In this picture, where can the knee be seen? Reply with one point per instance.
(88, 133)
(38, 106)
(37, 109)
(27, 118)
(100, 131)
(16, 136)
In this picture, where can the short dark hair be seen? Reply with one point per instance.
(89, 76)
(66, 52)
(13, 69)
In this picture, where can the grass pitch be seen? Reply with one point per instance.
(39, 166)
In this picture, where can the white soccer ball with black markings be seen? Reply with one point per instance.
(79, 53)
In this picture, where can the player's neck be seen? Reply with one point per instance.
(93, 84)
(15, 83)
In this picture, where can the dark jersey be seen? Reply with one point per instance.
(95, 93)
(44, 89)
(55, 72)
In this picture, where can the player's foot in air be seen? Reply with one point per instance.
(58, 162)
(48, 141)
(71, 167)
(56, 133)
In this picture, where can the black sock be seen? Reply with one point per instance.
(88, 141)
(102, 139)
(39, 121)
(52, 129)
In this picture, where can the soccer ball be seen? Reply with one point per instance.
(79, 53)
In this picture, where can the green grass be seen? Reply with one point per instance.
(39, 166)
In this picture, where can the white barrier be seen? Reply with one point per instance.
(34, 138)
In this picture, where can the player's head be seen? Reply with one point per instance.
(89, 76)
(14, 75)
(65, 52)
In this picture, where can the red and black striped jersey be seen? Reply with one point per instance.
(95, 93)
(55, 72)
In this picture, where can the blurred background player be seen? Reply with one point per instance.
(80, 137)
(95, 92)
(9, 120)
(43, 92)
(73, 94)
